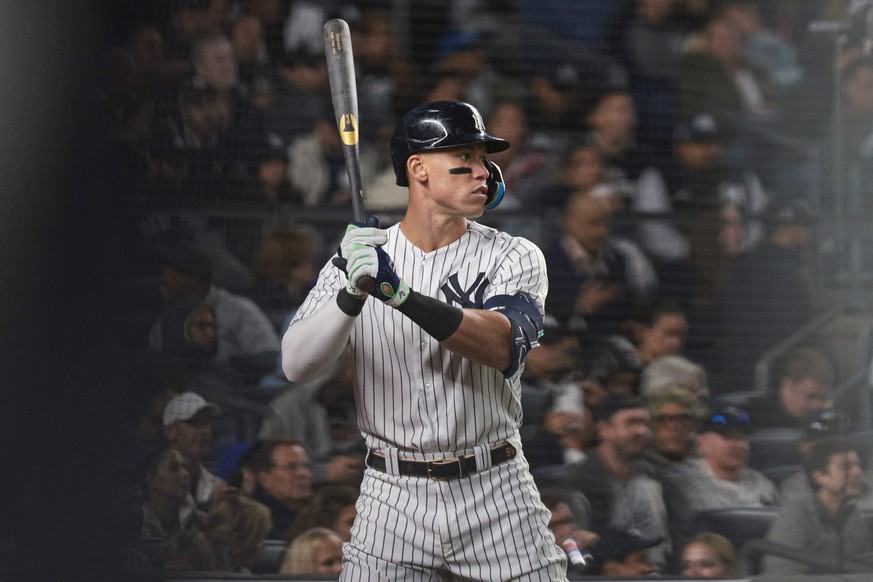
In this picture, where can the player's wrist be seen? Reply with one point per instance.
(350, 303)
(438, 319)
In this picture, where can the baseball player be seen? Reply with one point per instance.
(438, 351)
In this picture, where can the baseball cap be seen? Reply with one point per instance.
(726, 420)
(614, 402)
(272, 147)
(820, 423)
(795, 212)
(185, 406)
(701, 127)
(616, 543)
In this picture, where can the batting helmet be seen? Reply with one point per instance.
(437, 126)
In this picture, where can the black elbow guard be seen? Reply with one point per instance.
(527, 326)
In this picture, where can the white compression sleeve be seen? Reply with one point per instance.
(311, 344)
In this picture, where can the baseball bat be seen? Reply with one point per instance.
(344, 95)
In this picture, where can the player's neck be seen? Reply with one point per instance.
(430, 232)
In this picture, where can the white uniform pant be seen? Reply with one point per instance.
(488, 526)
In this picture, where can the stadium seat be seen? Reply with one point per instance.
(773, 447)
(270, 556)
(737, 524)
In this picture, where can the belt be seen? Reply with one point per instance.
(443, 468)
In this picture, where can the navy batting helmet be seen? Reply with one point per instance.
(436, 126)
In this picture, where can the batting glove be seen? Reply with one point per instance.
(361, 255)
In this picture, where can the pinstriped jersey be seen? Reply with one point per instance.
(410, 392)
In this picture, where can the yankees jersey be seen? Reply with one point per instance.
(411, 393)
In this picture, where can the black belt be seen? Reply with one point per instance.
(443, 468)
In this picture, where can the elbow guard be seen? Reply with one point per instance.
(527, 326)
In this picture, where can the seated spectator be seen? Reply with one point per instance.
(803, 381)
(284, 272)
(333, 507)
(673, 371)
(236, 526)
(268, 184)
(826, 524)
(241, 471)
(708, 555)
(722, 477)
(674, 413)
(590, 275)
(315, 551)
(659, 329)
(615, 478)
(766, 298)
(190, 551)
(564, 525)
(579, 168)
(152, 383)
(166, 483)
(246, 338)
(820, 425)
(188, 428)
(622, 552)
(284, 482)
(321, 415)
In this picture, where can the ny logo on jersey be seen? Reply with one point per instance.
(454, 293)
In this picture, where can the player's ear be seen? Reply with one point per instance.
(416, 168)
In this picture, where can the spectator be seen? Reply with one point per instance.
(269, 184)
(215, 63)
(673, 371)
(820, 425)
(721, 477)
(580, 167)
(622, 552)
(250, 50)
(826, 524)
(557, 423)
(709, 555)
(188, 428)
(321, 415)
(316, 163)
(615, 478)
(803, 381)
(242, 473)
(246, 338)
(302, 88)
(284, 482)
(152, 383)
(767, 296)
(659, 330)
(556, 91)
(188, 19)
(315, 551)
(564, 525)
(190, 550)
(236, 526)
(590, 277)
(166, 483)
(332, 507)
(674, 413)
(284, 272)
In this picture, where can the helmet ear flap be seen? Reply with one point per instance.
(496, 186)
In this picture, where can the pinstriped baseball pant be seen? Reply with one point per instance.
(488, 526)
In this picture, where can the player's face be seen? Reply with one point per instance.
(290, 479)
(700, 561)
(459, 194)
(327, 555)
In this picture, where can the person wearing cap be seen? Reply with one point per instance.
(622, 487)
(269, 182)
(721, 478)
(826, 524)
(245, 336)
(820, 425)
(766, 297)
(622, 552)
(188, 429)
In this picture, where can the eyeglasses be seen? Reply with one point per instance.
(203, 324)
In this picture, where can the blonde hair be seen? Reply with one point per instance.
(671, 371)
(240, 524)
(723, 548)
(298, 556)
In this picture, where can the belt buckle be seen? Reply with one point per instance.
(456, 461)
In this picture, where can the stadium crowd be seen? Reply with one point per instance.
(678, 235)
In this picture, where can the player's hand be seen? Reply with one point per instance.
(361, 255)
